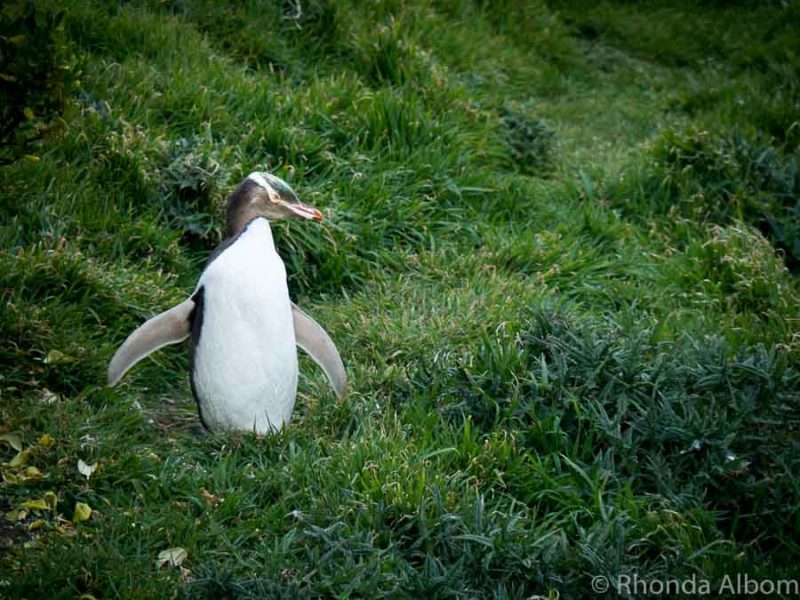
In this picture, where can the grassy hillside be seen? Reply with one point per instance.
(560, 260)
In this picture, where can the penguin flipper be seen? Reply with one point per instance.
(315, 341)
(169, 327)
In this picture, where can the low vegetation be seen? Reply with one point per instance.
(560, 260)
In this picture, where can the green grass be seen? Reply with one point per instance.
(560, 261)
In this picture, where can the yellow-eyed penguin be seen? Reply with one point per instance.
(244, 328)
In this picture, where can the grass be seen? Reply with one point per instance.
(560, 262)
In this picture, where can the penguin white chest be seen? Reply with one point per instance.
(245, 360)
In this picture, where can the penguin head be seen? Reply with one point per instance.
(262, 194)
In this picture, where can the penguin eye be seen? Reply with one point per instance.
(273, 196)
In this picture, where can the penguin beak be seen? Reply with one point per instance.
(304, 211)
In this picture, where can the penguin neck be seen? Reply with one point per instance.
(242, 220)
(259, 227)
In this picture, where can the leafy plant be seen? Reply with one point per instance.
(634, 401)
(192, 182)
(530, 141)
(736, 176)
(739, 267)
(717, 177)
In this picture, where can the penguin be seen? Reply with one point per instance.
(244, 328)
